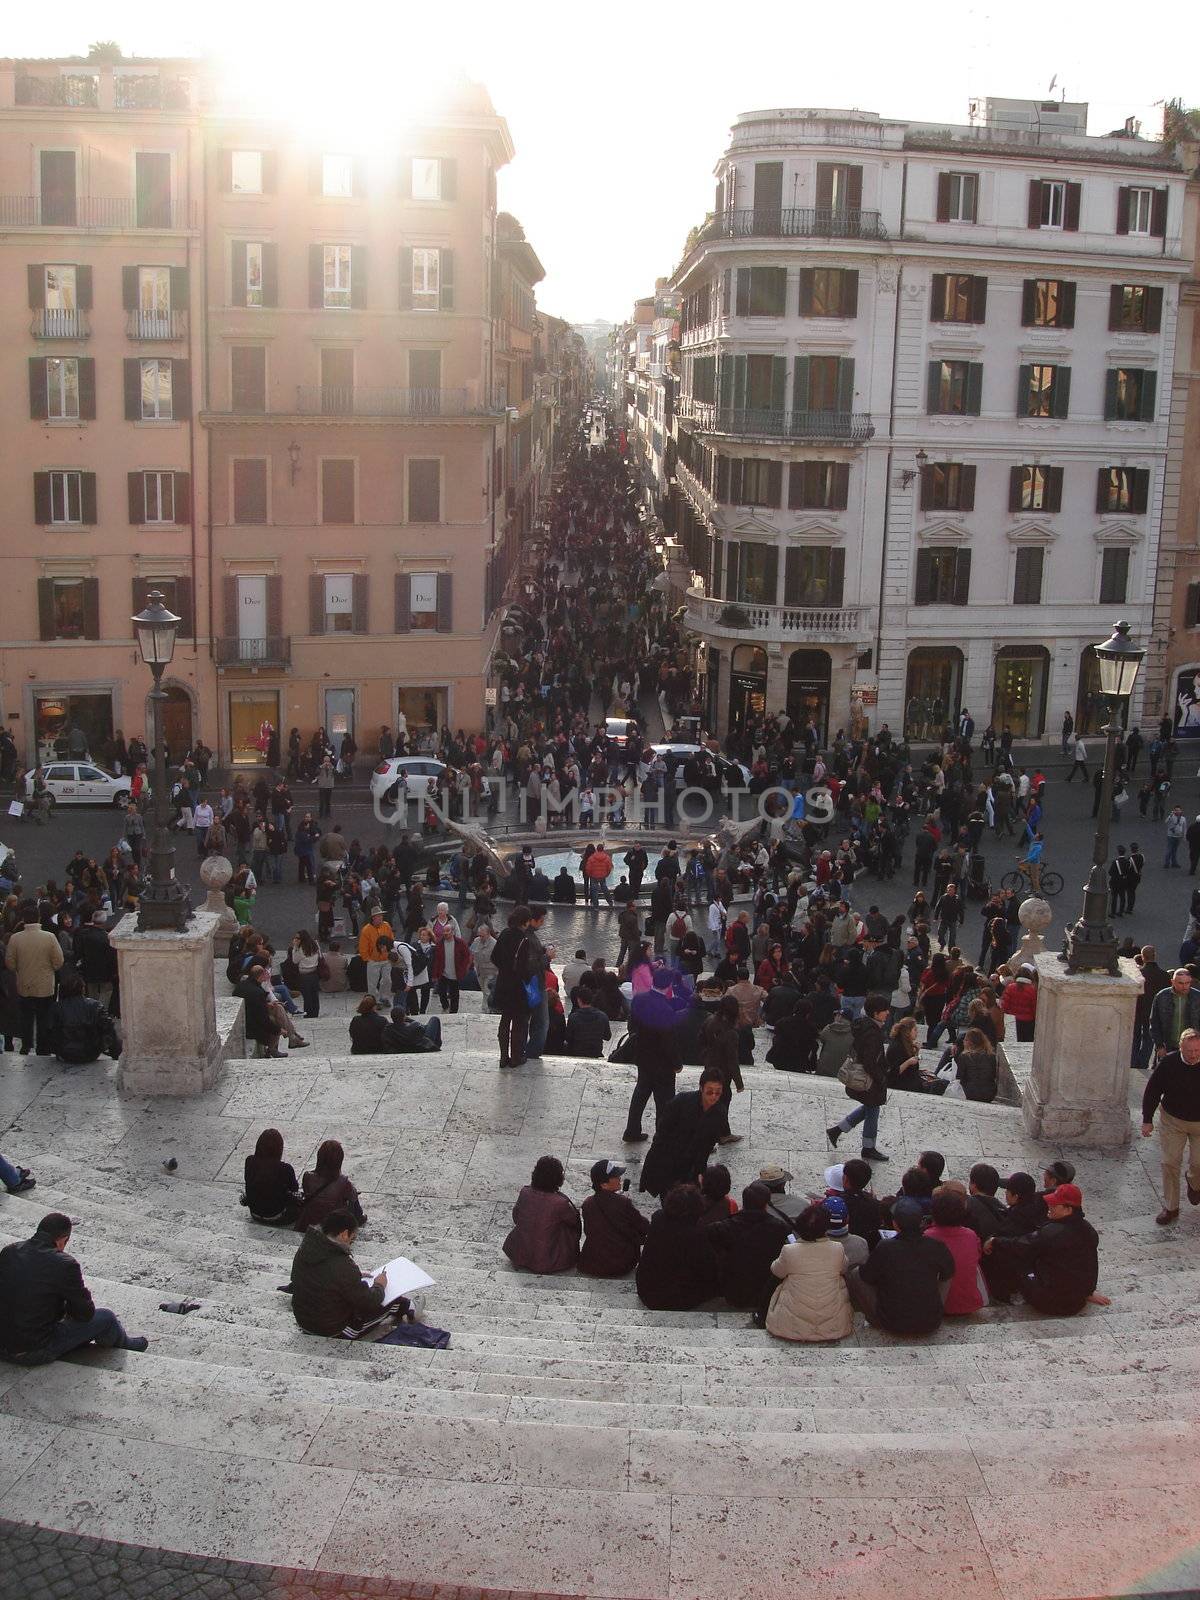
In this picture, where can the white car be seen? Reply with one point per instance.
(82, 783)
(419, 773)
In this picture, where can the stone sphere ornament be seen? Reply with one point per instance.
(215, 872)
(1035, 916)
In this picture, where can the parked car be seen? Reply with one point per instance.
(81, 783)
(733, 774)
(419, 773)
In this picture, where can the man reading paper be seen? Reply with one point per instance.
(329, 1293)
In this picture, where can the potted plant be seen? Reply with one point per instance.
(735, 617)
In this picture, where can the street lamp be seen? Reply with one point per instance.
(1091, 945)
(164, 902)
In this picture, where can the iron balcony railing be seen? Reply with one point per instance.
(846, 427)
(97, 213)
(53, 322)
(793, 222)
(66, 89)
(156, 325)
(347, 400)
(275, 651)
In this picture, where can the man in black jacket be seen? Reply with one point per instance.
(96, 957)
(656, 1051)
(45, 1308)
(902, 1285)
(985, 1213)
(613, 1227)
(261, 1028)
(868, 1051)
(79, 1028)
(685, 1136)
(329, 1294)
(1056, 1265)
(1174, 1092)
(745, 1246)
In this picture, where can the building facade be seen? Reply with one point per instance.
(922, 426)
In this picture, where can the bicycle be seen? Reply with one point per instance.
(1050, 883)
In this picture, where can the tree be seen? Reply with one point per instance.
(105, 50)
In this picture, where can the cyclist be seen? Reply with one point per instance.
(1032, 861)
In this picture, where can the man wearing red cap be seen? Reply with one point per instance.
(1174, 1092)
(1057, 1263)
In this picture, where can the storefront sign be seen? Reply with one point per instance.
(868, 693)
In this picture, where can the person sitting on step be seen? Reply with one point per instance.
(326, 1188)
(613, 1227)
(271, 1192)
(45, 1308)
(1055, 1268)
(546, 1227)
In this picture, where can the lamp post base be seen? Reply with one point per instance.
(164, 908)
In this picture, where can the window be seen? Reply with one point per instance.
(1139, 206)
(1054, 199)
(947, 486)
(957, 297)
(704, 379)
(957, 197)
(246, 171)
(431, 178)
(1129, 395)
(1134, 308)
(423, 599)
(56, 172)
(253, 283)
(818, 485)
(749, 482)
(68, 601)
(250, 491)
(426, 279)
(1114, 577)
(337, 176)
(339, 602)
(761, 291)
(827, 384)
(1142, 211)
(152, 187)
(955, 388)
(158, 489)
(1047, 303)
(1027, 576)
(1035, 488)
(62, 388)
(424, 491)
(1054, 203)
(839, 187)
(154, 290)
(1191, 606)
(337, 491)
(1123, 489)
(814, 577)
(828, 292)
(66, 498)
(156, 391)
(943, 577)
(336, 259)
(1043, 390)
(751, 572)
(59, 290)
(248, 378)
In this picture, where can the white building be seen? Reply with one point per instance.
(922, 419)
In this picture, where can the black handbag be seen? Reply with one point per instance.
(622, 1051)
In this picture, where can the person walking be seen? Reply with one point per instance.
(1120, 882)
(1068, 727)
(868, 1051)
(950, 913)
(1173, 1011)
(1176, 831)
(1079, 764)
(324, 783)
(1173, 1091)
(657, 1054)
(374, 943)
(34, 955)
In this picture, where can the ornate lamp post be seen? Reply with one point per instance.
(164, 902)
(1091, 945)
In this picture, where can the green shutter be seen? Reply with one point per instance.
(739, 383)
(1110, 394)
(778, 382)
(1060, 396)
(974, 388)
(1148, 392)
(800, 383)
(924, 577)
(937, 297)
(933, 389)
(966, 493)
(1024, 387)
(845, 385)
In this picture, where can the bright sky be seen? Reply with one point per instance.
(619, 111)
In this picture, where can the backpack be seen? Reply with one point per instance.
(420, 961)
(679, 926)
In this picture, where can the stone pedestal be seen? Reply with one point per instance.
(1078, 1089)
(215, 873)
(170, 1043)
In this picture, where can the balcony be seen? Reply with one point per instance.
(772, 624)
(793, 222)
(345, 400)
(156, 325)
(66, 89)
(826, 427)
(95, 213)
(54, 323)
(247, 653)
(143, 91)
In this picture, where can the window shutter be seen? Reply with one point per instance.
(183, 499)
(800, 383)
(1191, 617)
(778, 382)
(225, 169)
(962, 577)
(129, 288)
(362, 613)
(979, 299)
(1141, 488)
(943, 197)
(1060, 395)
(845, 385)
(774, 484)
(1028, 302)
(1123, 209)
(1103, 485)
(736, 475)
(841, 486)
(739, 383)
(1147, 393)
(237, 272)
(1066, 301)
(1034, 217)
(837, 576)
(795, 490)
(723, 480)
(966, 489)
(406, 278)
(445, 602)
(1072, 208)
(403, 618)
(449, 177)
(926, 478)
(136, 482)
(45, 598)
(806, 290)
(185, 605)
(87, 388)
(933, 388)
(854, 188)
(133, 389)
(359, 177)
(1027, 588)
(743, 291)
(726, 281)
(849, 293)
(974, 388)
(1054, 488)
(179, 288)
(1016, 484)
(1110, 394)
(316, 602)
(937, 297)
(141, 594)
(270, 275)
(445, 280)
(791, 578)
(924, 577)
(316, 275)
(1154, 299)
(358, 276)
(91, 608)
(41, 498)
(733, 569)
(270, 171)
(778, 290)
(1024, 389)
(87, 498)
(83, 287)
(1116, 303)
(36, 277)
(230, 606)
(274, 605)
(181, 390)
(1158, 214)
(38, 403)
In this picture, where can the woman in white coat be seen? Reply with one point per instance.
(812, 1303)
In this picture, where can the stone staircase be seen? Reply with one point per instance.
(569, 1440)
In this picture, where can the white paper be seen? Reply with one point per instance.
(404, 1277)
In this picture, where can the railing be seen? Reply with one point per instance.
(847, 427)
(156, 325)
(793, 222)
(347, 400)
(149, 92)
(99, 212)
(792, 622)
(54, 323)
(67, 89)
(272, 652)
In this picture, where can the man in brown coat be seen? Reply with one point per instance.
(34, 955)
